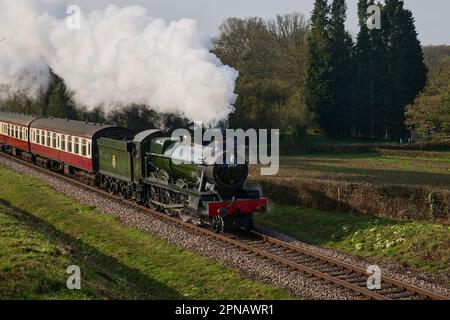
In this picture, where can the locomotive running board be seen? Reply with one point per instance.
(168, 206)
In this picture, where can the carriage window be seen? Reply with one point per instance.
(53, 140)
(89, 150)
(9, 130)
(38, 136)
(76, 146)
(83, 147)
(16, 132)
(69, 144)
(63, 142)
(26, 134)
(47, 135)
(20, 133)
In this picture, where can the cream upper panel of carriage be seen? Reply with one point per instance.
(63, 142)
(14, 131)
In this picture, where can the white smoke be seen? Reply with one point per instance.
(25, 48)
(120, 56)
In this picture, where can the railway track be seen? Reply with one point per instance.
(292, 256)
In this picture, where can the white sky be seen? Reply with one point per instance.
(432, 17)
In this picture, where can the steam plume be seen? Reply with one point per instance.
(120, 56)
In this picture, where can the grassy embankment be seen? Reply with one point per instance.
(42, 232)
(367, 183)
(416, 244)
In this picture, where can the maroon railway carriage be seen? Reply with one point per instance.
(62, 141)
(71, 143)
(14, 129)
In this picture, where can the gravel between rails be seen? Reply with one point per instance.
(251, 266)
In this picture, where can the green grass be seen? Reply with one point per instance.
(42, 232)
(369, 168)
(421, 245)
(322, 140)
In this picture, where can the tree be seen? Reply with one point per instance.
(289, 35)
(57, 100)
(53, 101)
(407, 73)
(390, 71)
(341, 62)
(270, 58)
(244, 44)
(371, 79)
(429, 115)
(317, 85)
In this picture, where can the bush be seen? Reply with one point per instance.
(406, 202)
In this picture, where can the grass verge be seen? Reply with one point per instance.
(42, 232)
(421, 245)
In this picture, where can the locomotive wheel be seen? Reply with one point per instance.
(123, 191)
(112, 186)
(152, 194)
(217, 224)
(168, 198)
(250, 224)
(104, 183)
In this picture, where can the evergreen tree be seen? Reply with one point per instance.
(407, 73)
(362, 53)
(58, 100)
(341, 45)
(370, 55)
(317, 85)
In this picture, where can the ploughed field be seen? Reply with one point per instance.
(415, 187)
(42, 232)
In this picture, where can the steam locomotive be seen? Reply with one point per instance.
(148, 167)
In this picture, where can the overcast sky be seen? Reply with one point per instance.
(432, 17)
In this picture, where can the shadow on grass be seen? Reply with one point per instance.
(107, 267)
